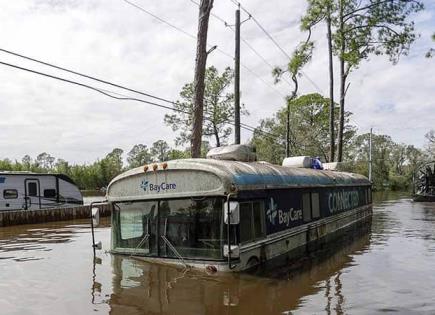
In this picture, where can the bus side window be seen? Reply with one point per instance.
(315, 205)
(306, 205)
(245, 222)
(251, 221)
(258, 215)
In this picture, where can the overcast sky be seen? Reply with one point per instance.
(112, 40)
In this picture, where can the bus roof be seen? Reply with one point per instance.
(190, 177)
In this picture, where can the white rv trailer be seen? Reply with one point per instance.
(31, 191)
(185, 211)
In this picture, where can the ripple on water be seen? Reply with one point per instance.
(389, 269)
(30, 243)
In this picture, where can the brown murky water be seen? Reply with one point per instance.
(50, 269)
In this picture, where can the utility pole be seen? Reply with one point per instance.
(331, 89)
(237, 80)
(370, 155)
(287, 142)
(199, 85)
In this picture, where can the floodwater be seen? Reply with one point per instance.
(389, 268)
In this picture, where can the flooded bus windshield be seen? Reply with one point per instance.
(190, 227)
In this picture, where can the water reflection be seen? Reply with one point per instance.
(50, 269)
(142, 288)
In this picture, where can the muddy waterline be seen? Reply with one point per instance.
(389, 266)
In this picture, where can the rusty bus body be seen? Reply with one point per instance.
(185, 211)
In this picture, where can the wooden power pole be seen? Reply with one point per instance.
(331, 91)
(205, 7)
(237, 80)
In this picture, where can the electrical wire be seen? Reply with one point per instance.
(121, 96)
(210, 46)
(159, 18)
(250, 47)
(84, 75)
(87, 86)
(274, 42)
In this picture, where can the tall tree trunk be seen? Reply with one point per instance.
(331, 92)
(342, 83)
(292, 97)
(216, 135)
(200, 63)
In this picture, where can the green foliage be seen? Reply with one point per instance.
(300, 57)
(139, 155)
(399, 182)
(430, 137)
(160, 151)
(101, 172)
(309, 121)
(393, 164)
(218, 108)
(370, 27)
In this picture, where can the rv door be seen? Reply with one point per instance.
(32, 194)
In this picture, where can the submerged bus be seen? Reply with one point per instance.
(228, 213)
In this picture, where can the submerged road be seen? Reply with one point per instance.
(50, 269)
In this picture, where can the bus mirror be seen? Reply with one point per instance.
(234, 212)
(95, 216)
(235, 251)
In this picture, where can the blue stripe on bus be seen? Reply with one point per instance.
(257, 179)
(2, 180)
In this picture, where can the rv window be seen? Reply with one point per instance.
(315, 205)
(49, 193)
(32, 189)
(306, 207)
(10, 194)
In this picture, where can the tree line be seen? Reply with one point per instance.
(96, 175)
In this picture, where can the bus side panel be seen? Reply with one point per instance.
(340, 199)
(283, 210)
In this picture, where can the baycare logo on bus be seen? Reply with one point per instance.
(285, 217)
(343, 200)
(147, 186)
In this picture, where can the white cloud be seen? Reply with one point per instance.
(114, 41)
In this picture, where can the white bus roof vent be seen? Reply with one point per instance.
(297, 161)
(235, 152)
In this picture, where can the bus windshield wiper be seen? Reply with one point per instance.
(172, 247)
(144, 239)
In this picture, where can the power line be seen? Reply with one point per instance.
(159, 18)
(109, 93)
(274, 41)
(84, 75)
(212, 14)
(249, 46)
(104, 92)
(194, 37)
